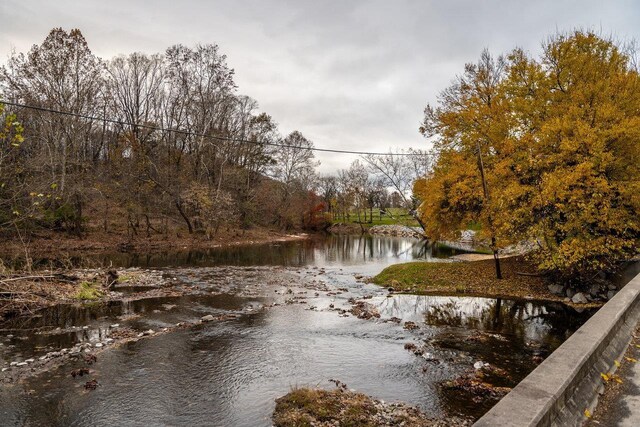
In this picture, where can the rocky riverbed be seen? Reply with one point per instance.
(222, 343)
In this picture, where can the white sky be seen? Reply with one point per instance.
(350, 75)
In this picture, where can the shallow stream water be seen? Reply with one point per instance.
(228, 373)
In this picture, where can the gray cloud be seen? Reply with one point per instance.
(348, 74)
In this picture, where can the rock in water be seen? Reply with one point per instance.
(207, 318)
(579, 298)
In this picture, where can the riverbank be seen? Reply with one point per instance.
(472, 278)
(26, 287)
(58, 245)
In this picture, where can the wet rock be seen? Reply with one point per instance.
(79, 372)
(594, 290)
(410, 326)
(364, 310)
(474, 388)
(91, 385)
(396, 230)
(207, 318)
(556, 289)
(579, 298)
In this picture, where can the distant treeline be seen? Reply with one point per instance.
(228, 165)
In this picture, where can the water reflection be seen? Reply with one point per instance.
(331, 250)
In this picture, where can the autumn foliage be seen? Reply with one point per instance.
(559, 139)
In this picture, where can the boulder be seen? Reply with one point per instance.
(579, 298)
(556, 289)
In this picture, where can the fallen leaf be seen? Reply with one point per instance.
(587, 413)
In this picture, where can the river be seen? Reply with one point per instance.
(286, 331)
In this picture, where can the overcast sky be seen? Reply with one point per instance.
(348, 74)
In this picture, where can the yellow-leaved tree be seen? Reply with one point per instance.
(561, 149)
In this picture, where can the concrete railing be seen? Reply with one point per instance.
(558, 391)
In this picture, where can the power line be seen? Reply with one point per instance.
(185, 132)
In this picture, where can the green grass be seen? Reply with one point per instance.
(469, 278)
(88, 291)
(394, 216)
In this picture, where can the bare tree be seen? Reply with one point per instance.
(399, 171)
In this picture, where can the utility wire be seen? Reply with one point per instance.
(185, 132)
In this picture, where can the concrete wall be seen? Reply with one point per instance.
(558, 391)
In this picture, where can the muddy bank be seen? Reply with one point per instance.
(25, 293)
(344, 407)
(58, 245)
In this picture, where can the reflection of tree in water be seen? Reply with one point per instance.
(347, 249)
(524, 319)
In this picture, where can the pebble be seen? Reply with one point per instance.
(85, 327)
(13, 363)
(207, 318)
(30, 360)
(115, 325)
(98, 345)
(22, 364)
(5, 369)
(87, 350)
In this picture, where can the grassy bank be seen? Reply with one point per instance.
(475, 278)
(391, 216)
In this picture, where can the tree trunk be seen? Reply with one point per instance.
(496, 259)
(184, 216)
